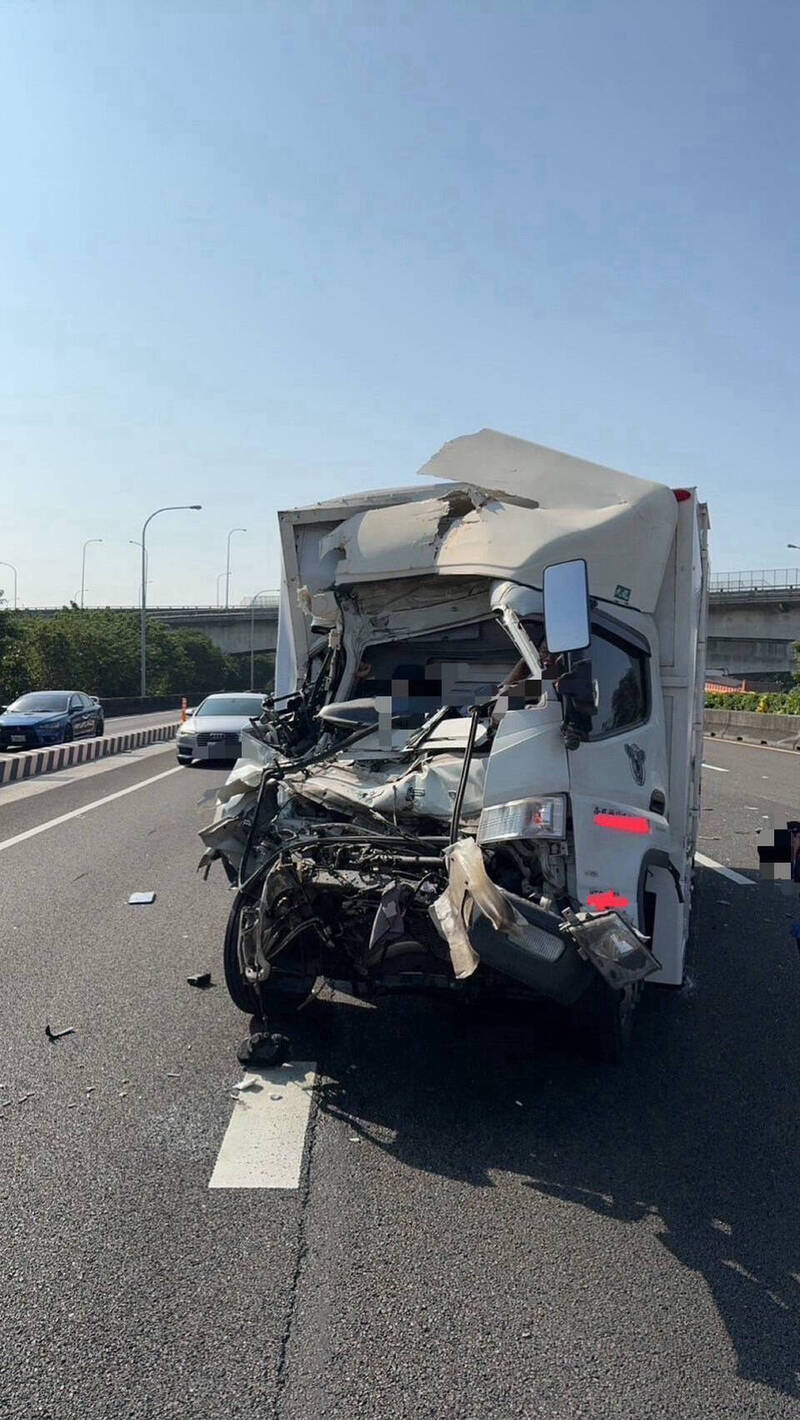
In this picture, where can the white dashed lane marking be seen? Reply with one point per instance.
(87, 809)
(726, 872)
(263, 1144)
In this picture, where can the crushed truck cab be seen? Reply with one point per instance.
(479, 771)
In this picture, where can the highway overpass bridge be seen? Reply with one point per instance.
(754, 623)
(230, 628)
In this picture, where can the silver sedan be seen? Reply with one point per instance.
(214, 729)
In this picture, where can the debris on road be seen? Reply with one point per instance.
(247, 1084)
(141, 899)
(58, 1034)
(262, 1048)
(202, 981)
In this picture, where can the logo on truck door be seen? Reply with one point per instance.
(638, 760)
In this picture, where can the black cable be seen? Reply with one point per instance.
(462, 783)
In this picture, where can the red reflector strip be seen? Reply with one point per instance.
(623, 823)
(604, 901)
(682, 494)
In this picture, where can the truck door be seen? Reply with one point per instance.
(618, 776)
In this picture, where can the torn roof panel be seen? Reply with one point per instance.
(511, 509)
(516, 469)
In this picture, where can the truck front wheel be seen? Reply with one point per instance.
(287, 988)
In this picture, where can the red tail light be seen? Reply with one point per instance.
(605, 901)
(682, 494)
(623, 823)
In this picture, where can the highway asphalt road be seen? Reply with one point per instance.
(486, 1227)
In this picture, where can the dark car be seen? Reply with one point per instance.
(49, 717)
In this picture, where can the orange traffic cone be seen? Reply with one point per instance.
(184, 713)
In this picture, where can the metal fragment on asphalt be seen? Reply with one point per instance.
(202, 980)
(57, 1034)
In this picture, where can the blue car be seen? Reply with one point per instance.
(49, 717)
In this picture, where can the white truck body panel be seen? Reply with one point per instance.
(399, 565)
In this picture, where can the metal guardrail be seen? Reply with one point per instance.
(771, 579)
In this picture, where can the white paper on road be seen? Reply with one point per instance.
(263, 1144)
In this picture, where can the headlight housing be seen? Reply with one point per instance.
(524, 818)
(184, 732)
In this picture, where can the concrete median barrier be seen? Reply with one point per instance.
(27, 764)
(779, 731)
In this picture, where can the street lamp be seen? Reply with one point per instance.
(253, 601)
(83, 564)
(228, 565)
(133, 542)
(172, 508)
(220, 575)
(795, 545)
(14, 570)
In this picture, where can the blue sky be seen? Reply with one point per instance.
(255, 254)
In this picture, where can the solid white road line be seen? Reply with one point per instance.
(263, 1144)
(748, 744)
(28, 788)
(720, 868)
(718, 768)
(87, 809)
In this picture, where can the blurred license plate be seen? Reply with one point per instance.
(17, 739)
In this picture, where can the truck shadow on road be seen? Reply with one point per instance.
(698, 1132)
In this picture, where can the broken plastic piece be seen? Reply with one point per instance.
(141, 899)
(262, 1048)
(202, 980)
(57, 1034)
(247, 1083)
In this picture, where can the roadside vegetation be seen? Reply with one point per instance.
(98, 652)
(779, 702)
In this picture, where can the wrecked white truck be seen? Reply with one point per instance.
(479, 771)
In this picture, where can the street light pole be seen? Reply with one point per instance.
(228, 566)
(219, 576)
(83, 564)
(253, 601)
(14, 570)
(133, 542)
(172, 508)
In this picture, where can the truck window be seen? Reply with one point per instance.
(621, 673)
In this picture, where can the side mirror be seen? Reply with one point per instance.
(567, 624)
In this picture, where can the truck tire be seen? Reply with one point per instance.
(240, 991)
(604, 1018)
(285, 991)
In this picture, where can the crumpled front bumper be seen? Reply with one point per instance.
(554, 955)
